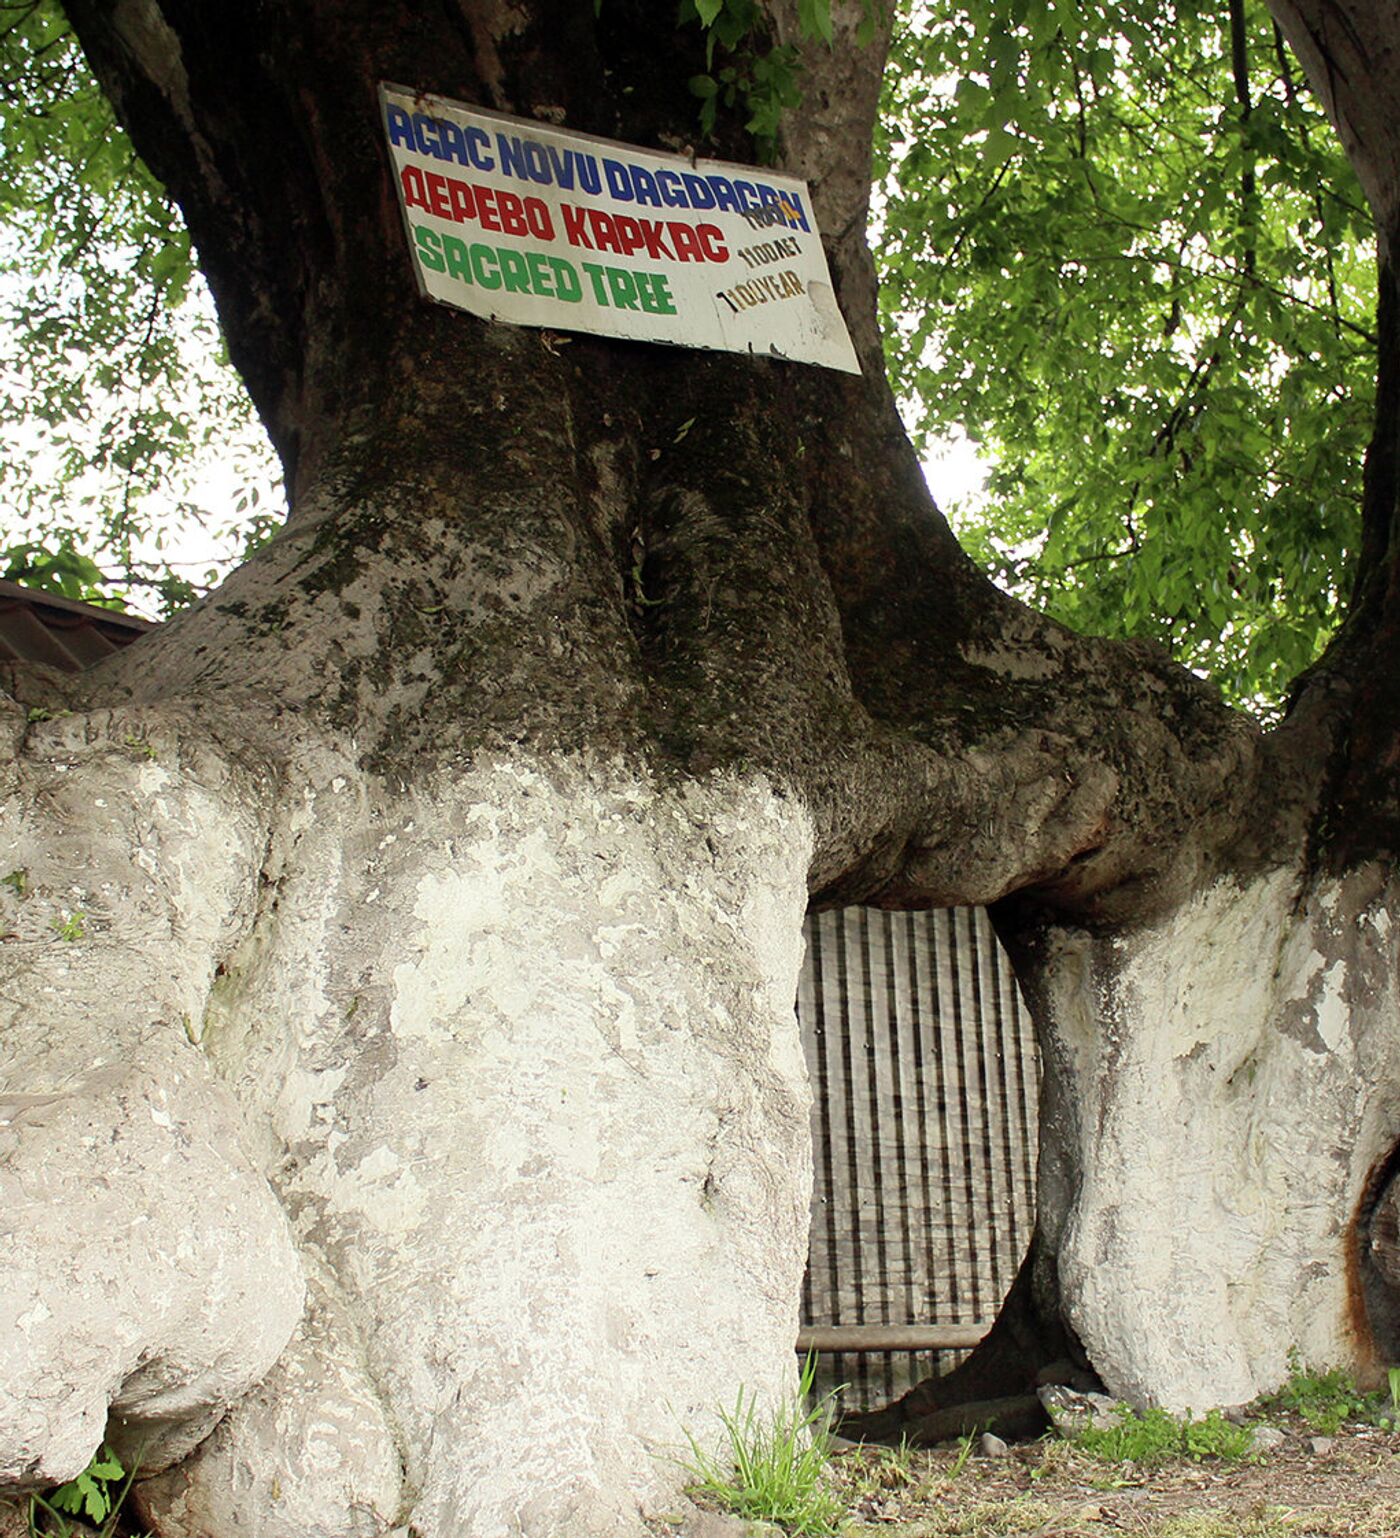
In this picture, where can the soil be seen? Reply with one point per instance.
(1345, 1486)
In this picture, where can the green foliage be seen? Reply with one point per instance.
(1153, 1436)
(1328, 1400)
(759, 76)
(774, 1470)
(62, 570)
(114, 369)
(1144, 286)
(96, 1495)
(17, 881)
(72, 927)
(762, 77)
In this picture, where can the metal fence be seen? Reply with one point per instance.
(925, 1073)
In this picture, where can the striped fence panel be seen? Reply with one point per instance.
(924, 1073)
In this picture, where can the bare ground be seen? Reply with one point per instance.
(1347, 1486)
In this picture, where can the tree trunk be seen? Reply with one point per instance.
(1221, 1092)
(441, 877)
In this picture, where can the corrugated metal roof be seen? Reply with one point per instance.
(42, 627)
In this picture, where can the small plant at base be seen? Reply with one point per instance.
(898, 1463)
(879, 1469)
(775, 1469)
(96, 1494)
(74, 927)
(1154, 1435)
(965, 1444)
(1325, 1400)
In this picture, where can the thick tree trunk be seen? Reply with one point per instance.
(1220, 1089)
(442, 876)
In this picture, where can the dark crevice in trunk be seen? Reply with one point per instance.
(994, 1388)
(1373, 1265)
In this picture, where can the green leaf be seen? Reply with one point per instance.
(106, 1465)
(1173, 381)
(110, 329)
(814, 19)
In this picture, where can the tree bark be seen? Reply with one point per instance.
(472, 823)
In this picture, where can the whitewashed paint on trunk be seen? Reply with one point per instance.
(1220, 1087)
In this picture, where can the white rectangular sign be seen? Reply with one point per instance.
(513, 220)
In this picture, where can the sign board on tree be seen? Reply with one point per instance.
(513, 220)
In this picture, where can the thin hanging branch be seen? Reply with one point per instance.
(1239, 69)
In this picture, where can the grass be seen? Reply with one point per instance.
(773, 1469)
(884, 1468)
(965, 1446)
(1040, 1519)
(1142, 1475)
(1056, 1490)
(1152, 1436)
(1044, 1519)
(1328, 1400)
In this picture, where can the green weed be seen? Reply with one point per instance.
(72, 928)
(1153, 1436)
(774, 1470)
(17, 881)
(899, 1462)
(96, 1496)
(1327, 1400)
(879, 1469)
(965, 1445)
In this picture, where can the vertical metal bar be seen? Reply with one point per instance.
(911, 1172)
(1002, 1213)
(967, 1075)
(823, 1273)
(872, 1192)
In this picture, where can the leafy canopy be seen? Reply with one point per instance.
(115, 390)
(1120, 249)
(1123, 251)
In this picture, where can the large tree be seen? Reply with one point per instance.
(404, 940)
